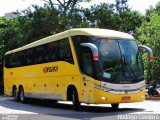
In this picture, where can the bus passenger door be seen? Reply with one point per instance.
(86, 80)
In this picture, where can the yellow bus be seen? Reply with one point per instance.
(85, 65)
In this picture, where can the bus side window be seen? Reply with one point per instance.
(30, 57)
(40, 55)
(7, 61)
(56, 51)
(59, 51)
(50, 57)
(87, 62)
(48, 53)
(12, 61)
(62, 49)
(20, 59)
(65, 51)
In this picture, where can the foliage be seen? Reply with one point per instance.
(65, 6)
(149, 33)
(116, 16)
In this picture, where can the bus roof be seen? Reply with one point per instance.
(73, 32)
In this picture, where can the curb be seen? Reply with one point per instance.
(152, 98)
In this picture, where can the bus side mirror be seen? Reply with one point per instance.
(149, 51)
(94, 50)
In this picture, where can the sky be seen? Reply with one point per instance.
(13, 5)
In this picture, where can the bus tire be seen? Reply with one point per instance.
(15, 95)
(115, 106)
(76, 103)
(21, 95)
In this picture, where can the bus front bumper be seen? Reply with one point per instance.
(102, 97)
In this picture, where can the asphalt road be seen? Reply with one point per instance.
(47, 110)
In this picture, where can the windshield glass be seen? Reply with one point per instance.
(119, 59)
(110, 60)
(132, 59)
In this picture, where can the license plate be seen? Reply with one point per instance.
(126, 98)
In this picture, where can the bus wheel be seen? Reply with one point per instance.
(76, 103)
(115, 106)
(15, 95)
(21, 95)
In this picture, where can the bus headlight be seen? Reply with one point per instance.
(103, 98)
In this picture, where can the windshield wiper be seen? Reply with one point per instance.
(129, 68)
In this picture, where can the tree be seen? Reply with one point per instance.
(116, 16)
(65, 5)
(149, 33)
(38, 24)
(10, 38)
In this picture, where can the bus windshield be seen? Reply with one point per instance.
(119, 62)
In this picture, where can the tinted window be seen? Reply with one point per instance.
(65, 51)
(20, 59)
(55, 51)
(87, 63)
(30, 57)
(84, 55)
(12, 61)
(40, 53)
(7, 61)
